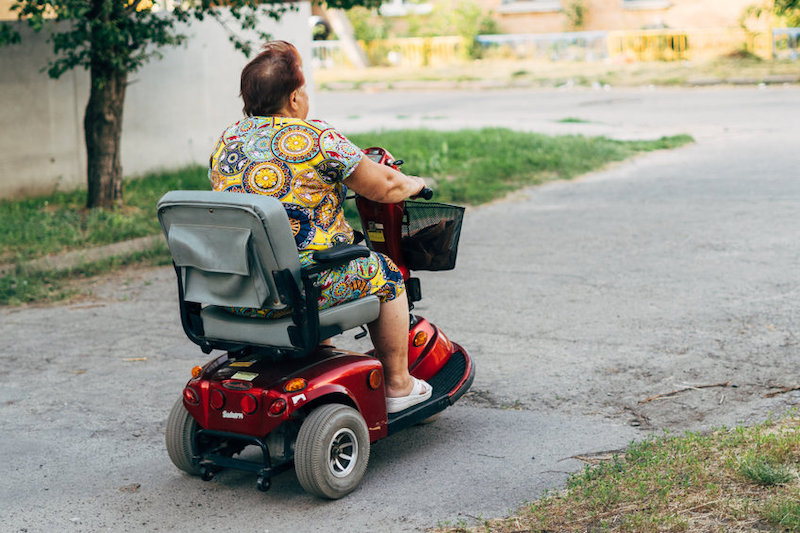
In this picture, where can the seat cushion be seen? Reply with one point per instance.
(220, 324)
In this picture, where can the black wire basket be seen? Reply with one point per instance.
(430, 235)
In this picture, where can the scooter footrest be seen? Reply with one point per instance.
(450, 375)
(444, 384)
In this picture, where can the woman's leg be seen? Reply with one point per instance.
(389, 334)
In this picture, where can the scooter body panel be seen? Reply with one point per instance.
(428, 350)
(237, 395)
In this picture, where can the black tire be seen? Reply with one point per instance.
(332, 451)
(180, 437)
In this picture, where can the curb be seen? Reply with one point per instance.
(76, 258)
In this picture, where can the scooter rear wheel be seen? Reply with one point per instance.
(180, 437)
(332, 451)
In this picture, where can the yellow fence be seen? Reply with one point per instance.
(648, 45)
(415, 51)
(672, 45)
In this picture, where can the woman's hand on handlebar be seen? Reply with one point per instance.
(426, 193)
(420, 191)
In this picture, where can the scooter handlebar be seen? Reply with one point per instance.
(426, 194)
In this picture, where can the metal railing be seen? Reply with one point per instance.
(328, 54)
(786, 43)
(566, 46)
(640, 45)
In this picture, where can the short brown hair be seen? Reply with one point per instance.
(269, 79)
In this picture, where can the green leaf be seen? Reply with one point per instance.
(8, 35)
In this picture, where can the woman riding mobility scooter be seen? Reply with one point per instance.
(277, 386)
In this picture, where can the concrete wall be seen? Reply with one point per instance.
(619, 15)
(175, 108)
(5, 10)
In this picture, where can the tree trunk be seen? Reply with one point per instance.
(102, 126)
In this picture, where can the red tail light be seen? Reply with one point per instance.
(249, 404)
(217, 400)
(190, 395)
(277, 407)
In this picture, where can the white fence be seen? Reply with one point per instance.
(566, 46)
(786, 43)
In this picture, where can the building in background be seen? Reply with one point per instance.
(548, 16)
(441, 31)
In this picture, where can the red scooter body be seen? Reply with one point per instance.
(225, 386)
(260, 398)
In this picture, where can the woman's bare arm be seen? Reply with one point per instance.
(382, 183)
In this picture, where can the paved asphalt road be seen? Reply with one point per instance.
(578, 301)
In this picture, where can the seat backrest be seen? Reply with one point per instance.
(229, 246)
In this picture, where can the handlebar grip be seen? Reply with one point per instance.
(426, 193)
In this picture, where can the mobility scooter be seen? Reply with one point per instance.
(277, 386)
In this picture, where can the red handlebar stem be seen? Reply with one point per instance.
(383, 223)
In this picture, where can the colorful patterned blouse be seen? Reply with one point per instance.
(303, 164)
(300, 162)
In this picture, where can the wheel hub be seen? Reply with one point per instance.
(343, 452)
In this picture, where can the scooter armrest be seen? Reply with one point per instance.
(335, 256)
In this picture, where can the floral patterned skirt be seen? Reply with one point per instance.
(376, 274)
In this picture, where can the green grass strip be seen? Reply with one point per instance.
(35, 227)
(468, 166)
(741, 479)
(23, 286)
(477, 166)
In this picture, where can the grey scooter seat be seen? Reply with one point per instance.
(237, 250)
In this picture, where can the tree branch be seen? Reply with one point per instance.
(678, 391)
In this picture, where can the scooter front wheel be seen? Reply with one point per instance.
(332, 451)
